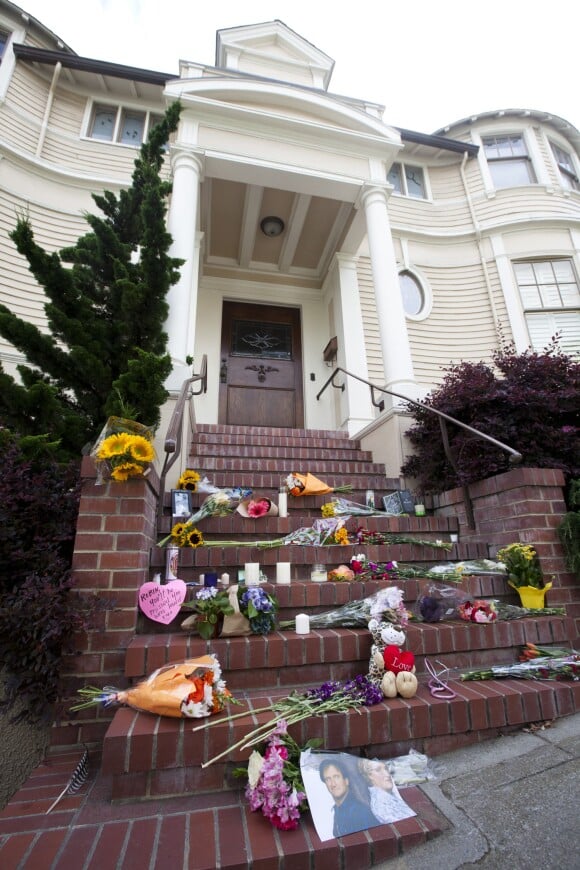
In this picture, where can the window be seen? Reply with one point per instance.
(551, 301)
(407, 180)
(412, 293)
(4, 37)
(508, 160)
(116, 124)
(566, 167)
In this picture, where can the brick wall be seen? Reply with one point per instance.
(115, 531)
(525, 505)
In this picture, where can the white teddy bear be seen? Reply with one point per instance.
(390, 668)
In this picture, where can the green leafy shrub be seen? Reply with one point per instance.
(569, 529)
(40, 610)
(529, 401)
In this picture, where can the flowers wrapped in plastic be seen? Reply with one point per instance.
(191, 689)
(386, 604)
(307, 484)
(343, 507)
(123, 450)
(544, 668)
(439, 602)
(274, 781)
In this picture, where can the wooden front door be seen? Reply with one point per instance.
(261, 366)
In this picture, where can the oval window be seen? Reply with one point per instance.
(412, 293)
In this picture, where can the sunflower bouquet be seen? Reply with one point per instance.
(123, 450)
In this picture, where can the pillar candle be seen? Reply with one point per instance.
(302, 623)
(252, 573)
(283, 572)
(282, 504)
(225, 579)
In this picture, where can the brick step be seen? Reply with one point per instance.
(260, 479)
(286, 659)
(239, 434)
(302, 558)
(201, 832)
(309, 455)
(260, 462)
(152, 757)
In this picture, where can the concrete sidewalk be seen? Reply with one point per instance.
(513, 803)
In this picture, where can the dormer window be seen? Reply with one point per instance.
(566, 168)
(407, 180)
(508, 160)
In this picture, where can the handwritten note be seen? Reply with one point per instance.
(162, 603)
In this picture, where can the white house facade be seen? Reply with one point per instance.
(313, 233)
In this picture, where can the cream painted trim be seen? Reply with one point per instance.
(511, 294)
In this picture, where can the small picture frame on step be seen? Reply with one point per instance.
(180, 503)
(393, 505)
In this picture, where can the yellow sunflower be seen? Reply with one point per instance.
(114, 445)
(194, 538)
(188, 480)
(178, 532)
(125, 470)
(141, 449)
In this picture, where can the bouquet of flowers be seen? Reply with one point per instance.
(530, 651)
(209, 605)
(544, 668)
(274, 781)
(307, 484)
(477, 611)
(323, 532)
(343, 507)
(386, 604)
(521, 563)
(190, 689)
(364, 536)
(259, 607)
(331, 697)
(123, 449)
(366, 569)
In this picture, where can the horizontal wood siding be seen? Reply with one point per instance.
(22, 112)
(370, 321)
(519, 203)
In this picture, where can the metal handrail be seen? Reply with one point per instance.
(174, 436)
(515, 456)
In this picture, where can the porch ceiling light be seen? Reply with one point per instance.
(272, 226)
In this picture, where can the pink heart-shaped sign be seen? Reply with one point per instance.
(162, 603)
(396, 660)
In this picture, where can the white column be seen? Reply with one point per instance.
(511, 295)
(182, 297)
(353, 353)
(397, 362)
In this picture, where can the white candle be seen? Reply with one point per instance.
(283, 572)
(225, 579)
(283, 504)
(318, 573)
(302, 623)
(252, 573)
(454, 538)
(419, 510)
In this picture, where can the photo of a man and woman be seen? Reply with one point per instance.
(348, 794)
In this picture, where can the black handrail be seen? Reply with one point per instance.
(173, 439)
(514, 458)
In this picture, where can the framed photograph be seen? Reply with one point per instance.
(180, 503)
(393, 505)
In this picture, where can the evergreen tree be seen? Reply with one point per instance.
(106, 350)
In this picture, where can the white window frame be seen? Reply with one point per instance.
(518, 159)
(403, 164)
(569, 178)
(550, 312)
(425, 290)
(534, 156)
(151, 118)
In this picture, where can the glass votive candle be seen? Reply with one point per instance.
(283, 572)
(318, 573)
(419, 510)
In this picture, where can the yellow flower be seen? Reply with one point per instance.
(178, 533)
(341, 536)
(188, 480)
(125, 470)
(114, 445)
(141, 449)
(328, 509)
(194, 538)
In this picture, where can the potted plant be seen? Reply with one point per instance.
(210, 605)
(524, 574)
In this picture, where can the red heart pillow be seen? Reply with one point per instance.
(396, 660)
